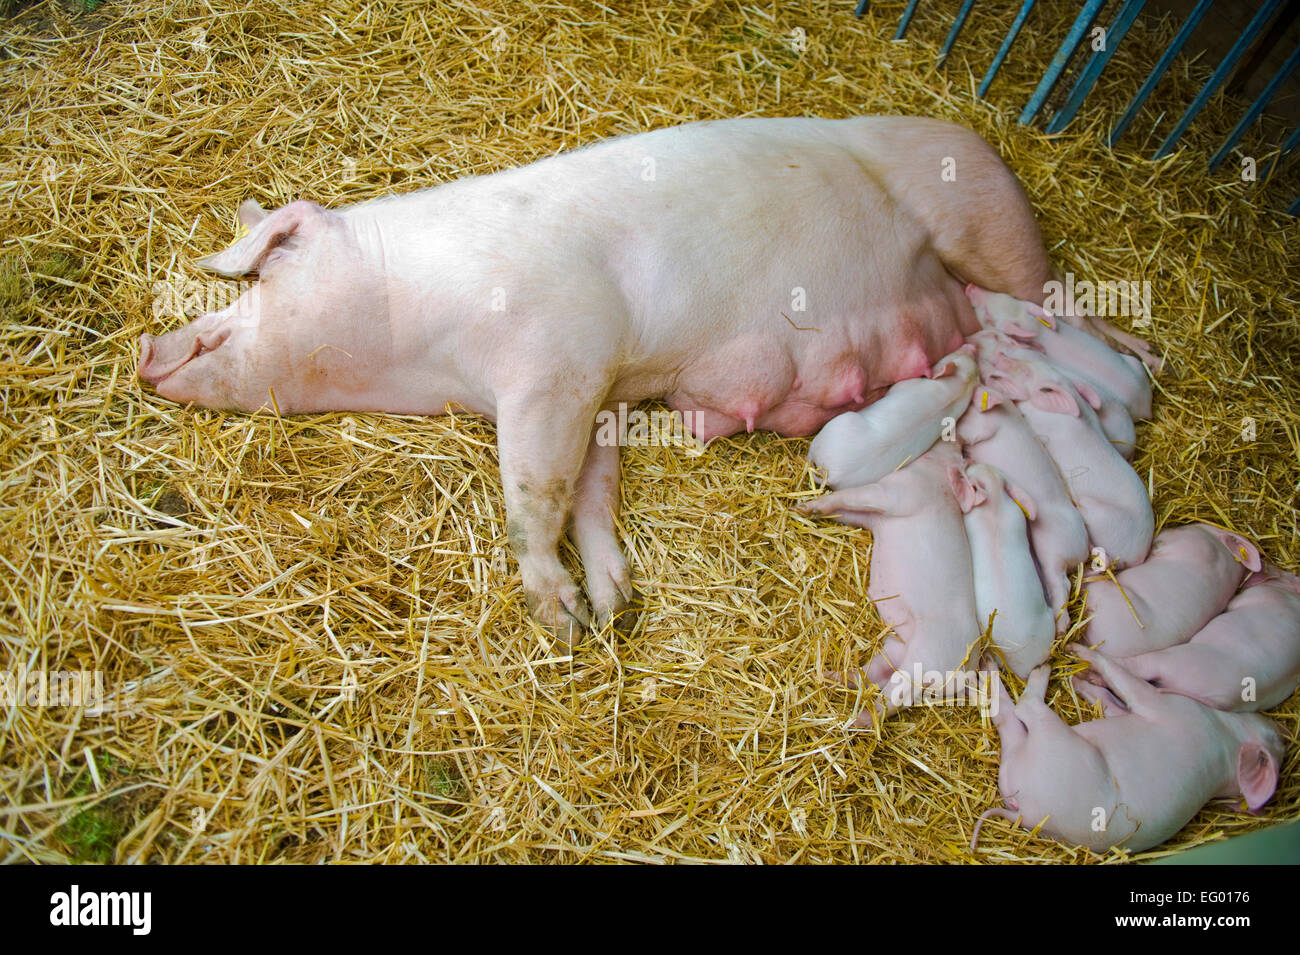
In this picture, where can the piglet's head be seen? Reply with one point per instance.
(1020, 321)
(299, 333)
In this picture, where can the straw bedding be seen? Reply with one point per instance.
(312, 635)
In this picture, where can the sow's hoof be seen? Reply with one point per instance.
(563, 615)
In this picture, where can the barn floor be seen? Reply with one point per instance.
(313, 641)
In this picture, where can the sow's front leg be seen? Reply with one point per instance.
(542, 437)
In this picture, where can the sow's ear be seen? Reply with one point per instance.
(1256, 774)
(297, 220)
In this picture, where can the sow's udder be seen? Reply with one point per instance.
(765, 386)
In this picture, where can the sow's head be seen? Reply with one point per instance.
(310, 335)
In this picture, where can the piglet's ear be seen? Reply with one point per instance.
(1256, 774)
(1018, 332)
(298, 220)
(986, 398)
(1054, 398)
(1022, 498)
(1006, 386)
(250, 213)
(1088, 394)
(1042, 314)
(969, 495)
(1247, 554)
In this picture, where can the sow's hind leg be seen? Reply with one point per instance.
(977, 216)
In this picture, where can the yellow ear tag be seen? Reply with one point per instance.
(1021, 506)
(1242, 551)
(984, 401)
(1045, 323)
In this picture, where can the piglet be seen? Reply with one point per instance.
(1007, 589)
(861, 447)
(1112, 417)
(1110, 497)
(1245, 659)
(1189, 577)
(994, 432)
(1135, 777)
(1077, 354)
(921, 580)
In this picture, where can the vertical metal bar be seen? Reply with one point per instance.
(962, 14)
(1256, 108)
(1294, 208)
(1057, 66)
(1005, 48)
(1220, 74)
(1159, 70)
(861, 8)
(907, 18)
(1088, 78)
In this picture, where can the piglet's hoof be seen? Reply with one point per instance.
(846, 678)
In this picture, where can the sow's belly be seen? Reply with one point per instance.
(800, 377)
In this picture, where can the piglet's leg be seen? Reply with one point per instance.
(542, 441)
(1110, 704)
(595, 506)
(1133, 692)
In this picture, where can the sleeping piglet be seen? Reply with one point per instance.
(921, 580)
(1245, 659)
(861, 447)
(1189, 577)
(1007, 588)
(1135, 777)
(994, 432)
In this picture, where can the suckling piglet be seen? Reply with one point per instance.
(1076, 354)
(994, 432)
(1110, 497)
(1187, 579)
(1007, 589)
(1245, 659)
(861, 447)
(1135, 777)
(921, 580)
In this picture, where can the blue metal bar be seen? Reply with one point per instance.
(962, 14)
(1216, 80)
(1057, 66)
(1005, 48)
(1088, 78)
(1294, 208)
(907, 18)
(1256, 108)
(1291, 143)
(861, 8)
(1162, 65)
